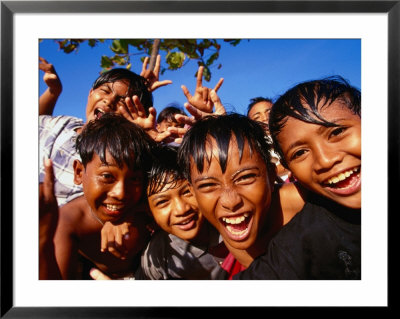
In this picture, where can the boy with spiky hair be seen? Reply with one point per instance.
(115, 157)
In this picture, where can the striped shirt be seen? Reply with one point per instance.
(57, 141)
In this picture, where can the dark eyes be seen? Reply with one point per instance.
(297, 154)
(107, 177)
(204, 186)
(186, 192)
(247, 178)
(160, 202)
(337, 131)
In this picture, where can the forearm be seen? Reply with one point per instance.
(47, 101)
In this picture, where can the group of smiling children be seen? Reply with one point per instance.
(213, 204)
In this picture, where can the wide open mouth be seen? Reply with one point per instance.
(237, 227)
(98, 113)
(345, 183)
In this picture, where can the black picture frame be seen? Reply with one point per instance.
(9, 8)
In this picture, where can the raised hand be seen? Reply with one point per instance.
(135, 112)
(201, 98)
(47, 101)
(199, 113)
(50, 76)
(196, 115)
(152, 76)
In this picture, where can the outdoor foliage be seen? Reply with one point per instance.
(178, 51)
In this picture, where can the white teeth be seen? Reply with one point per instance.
(342, 176)
(186, 222)
(113, 207)
(236, 232)
(235, 220)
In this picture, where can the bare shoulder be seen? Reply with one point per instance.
(72, 214)
(291, 199)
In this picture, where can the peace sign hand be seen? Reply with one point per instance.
(152, 76)
(201, 99)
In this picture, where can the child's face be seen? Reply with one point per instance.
(111, 192)
(260, 112)
(106, 98)
(175, 211)
(165, 124)
(327, 160)
(235, 202)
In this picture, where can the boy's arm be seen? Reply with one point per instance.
(48, 219)
(66, 242)
(48, 99)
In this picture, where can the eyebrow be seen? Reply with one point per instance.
(239, 171)
(202, 178)
(157, 196)
(319, 131)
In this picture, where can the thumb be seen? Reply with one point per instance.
(98, 275)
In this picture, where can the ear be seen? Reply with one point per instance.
(78, 172)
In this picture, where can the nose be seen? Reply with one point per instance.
(181, 207)
(264, 118)
(118, 190)
(111, 100)
(230, 199)
(325, 157)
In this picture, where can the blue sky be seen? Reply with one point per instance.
(256, 67)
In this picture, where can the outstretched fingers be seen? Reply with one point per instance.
(186, 92)
(199, 82)
(144, 66)
(219, 108)
(218, 85)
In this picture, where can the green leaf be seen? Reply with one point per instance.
(207, 74)
(92, 42)
(212, 58)
(175, 60)
(233, 42)
(120, 60)
(119, 46)
(106, 62)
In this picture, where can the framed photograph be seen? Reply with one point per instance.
(375, 24)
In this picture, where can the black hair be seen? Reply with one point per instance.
(168, 113)
(256, 100)
(138, 85)
(165, 169)
(305, 100)
(222, 128)
(126, 142)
